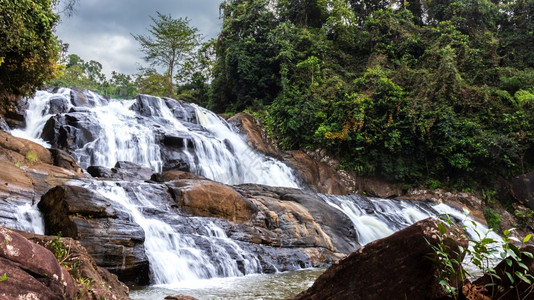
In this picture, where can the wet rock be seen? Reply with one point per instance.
(207, 198)
(99, 171)
(181, 110)
(253, 129)
(32, 271)
(126, 170)
(172, 151)
(3, 125)
(289, 217)
(318, 174)
(84, 98)
(316, 168)
(500, 286)
(12, 110)
(108, 234)
(70, 131)
(393, 267)
(92, 281)
(175, 175)
(58, 105)
(26, 170)
(522, 189)
(64, 160)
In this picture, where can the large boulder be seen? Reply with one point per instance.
(287, 217)
(522, 189)
(32, 272)
(92, 281)
(108, 234)
(208, 198)
(28, 170)
(395, 267)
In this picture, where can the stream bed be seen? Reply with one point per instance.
(250, 287)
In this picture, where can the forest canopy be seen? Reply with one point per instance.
(436, 91)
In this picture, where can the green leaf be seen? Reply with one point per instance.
(510, 277)
(508, 262)
(527, 238)
(442, 228)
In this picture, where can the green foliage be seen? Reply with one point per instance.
(480, 254)
(29, 51)
(59, 249)
(88, 75)
(492, 218)
(447, 97)
(4, 277)
(31, 157)
(170, 45)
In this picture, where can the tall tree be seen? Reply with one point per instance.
(170, 44)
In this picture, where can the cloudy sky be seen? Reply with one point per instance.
(100, 29)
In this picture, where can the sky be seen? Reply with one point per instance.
(101, 30)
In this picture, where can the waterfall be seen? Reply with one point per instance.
(177, 255)
(164, 134)
(107, 131)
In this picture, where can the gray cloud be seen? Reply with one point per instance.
(100, 29)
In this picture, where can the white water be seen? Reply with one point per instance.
(219, 152)
(29, 218)
(176, 258)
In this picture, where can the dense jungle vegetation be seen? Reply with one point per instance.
(434, 92)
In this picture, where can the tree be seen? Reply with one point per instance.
(169, 45)
(29, 51)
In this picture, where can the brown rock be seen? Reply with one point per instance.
(504, 289)
(177, 175)
(317, 173)
(23, 147)
(92, 281)
(395, 267)
(376, 187)
(31, 270)
(21, 179)
(207, 198)
(257, 137)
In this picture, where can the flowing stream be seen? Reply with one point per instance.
(191, 255)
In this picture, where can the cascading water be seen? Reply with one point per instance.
(144, 131)
(130, 130)
(177, 256)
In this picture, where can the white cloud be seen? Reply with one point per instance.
(100, 30)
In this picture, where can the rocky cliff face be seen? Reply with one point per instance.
(287, 229)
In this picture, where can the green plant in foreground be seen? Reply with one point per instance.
(60, 250)
(480, 253)
(4, 277)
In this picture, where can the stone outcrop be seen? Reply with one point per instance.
(285, 228)
(27, 171)
(522, 189)
(92, 281)
(377, 187)
(31, 271)
(289, 217)
(206, 198)
(395, 267)
(108, 234)
(257, 137)
(316, 168)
